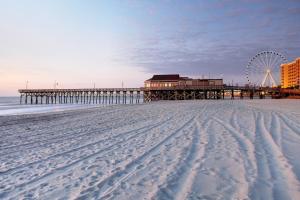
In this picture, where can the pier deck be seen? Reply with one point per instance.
(139, 95)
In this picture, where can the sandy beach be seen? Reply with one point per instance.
(245, 149)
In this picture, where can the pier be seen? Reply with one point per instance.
(81, 96)
(208, 93)
(183, 93)
(140, 95)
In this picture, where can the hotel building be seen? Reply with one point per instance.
(290, 74)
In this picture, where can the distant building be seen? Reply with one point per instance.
(290, 74)
(175, 80)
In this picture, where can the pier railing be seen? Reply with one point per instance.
(77, 90)
(187, 87)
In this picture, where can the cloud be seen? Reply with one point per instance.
(237, 12)
(219, 40)
(294, 11)
(188, 37)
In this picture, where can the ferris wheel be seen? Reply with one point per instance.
(264, 69)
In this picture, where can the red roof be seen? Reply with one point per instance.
(165, 77)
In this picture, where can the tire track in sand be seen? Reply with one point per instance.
(289, 143)
(70, 134)
(177, 167)
(144, 129)
(18, 189)
(58, 122)
(106, 187)
(246, 147)
(179, 183)
(290, 124)
(64, 144)
(275, 178)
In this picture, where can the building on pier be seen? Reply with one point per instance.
(175, 87)
(175, 80)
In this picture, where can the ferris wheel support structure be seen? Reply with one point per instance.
(272, 80)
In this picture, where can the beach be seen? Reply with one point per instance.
(206, 149)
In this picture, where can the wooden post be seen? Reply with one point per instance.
(138, 97)
(117, 96)
(90, 97)
(93, 94)
(251, 94)
(103, 97)
(124, 97)
(106, 97)
(21, 98)
(131, 97)
(99, 97)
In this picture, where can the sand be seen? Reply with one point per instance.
(224, 149)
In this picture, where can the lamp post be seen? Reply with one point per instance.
(55, 84)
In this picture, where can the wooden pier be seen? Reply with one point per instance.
(140, 95)
(183, 93)
(206, 92)
(81, 96)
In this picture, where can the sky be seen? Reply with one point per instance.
(82, 43)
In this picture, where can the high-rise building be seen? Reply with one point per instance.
(290, 74)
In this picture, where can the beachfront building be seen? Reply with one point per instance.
(175, 87)
(175, 80)
(290, 74)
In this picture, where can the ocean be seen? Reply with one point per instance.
(9, 100)
(12, 106)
